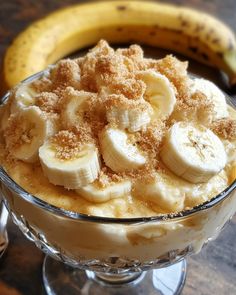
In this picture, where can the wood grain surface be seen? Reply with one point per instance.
(213, 271)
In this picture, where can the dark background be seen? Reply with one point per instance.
(213, 271)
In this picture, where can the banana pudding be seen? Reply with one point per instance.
(116, 134)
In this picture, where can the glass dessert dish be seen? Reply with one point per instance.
(93, 255)
(116, 251)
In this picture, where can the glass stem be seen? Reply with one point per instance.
(115, 279)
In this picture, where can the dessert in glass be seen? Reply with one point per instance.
(118, 166)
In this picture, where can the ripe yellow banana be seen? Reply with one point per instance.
(193, 33)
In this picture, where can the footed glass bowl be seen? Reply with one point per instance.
(100, 255)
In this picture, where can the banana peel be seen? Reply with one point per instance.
(179, 29)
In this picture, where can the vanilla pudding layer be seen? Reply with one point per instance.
(82, 241)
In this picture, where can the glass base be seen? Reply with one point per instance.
(61, 279)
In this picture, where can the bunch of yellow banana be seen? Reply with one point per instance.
(192, 33)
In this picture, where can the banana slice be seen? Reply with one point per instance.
(193, 152)
(128, 114)
(230, 150)
(214, 95)
(159, 92)
(165, 191)
(131, 119)
(74, 106)
(24, 96)
(26, 131)
(96, 194)
(118, 153)
(80, 170)
(199, 193)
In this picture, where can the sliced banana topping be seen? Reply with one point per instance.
(74, 172)
(26, 131)
(131, 119)
(230, 150)
(96, 194)
(165, 191)
(159, 92)
(118, 153)
(128, 114)
(196, 194)
(214, 95)
(193, 152)
(74, 106)
(24, 96)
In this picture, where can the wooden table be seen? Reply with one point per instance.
(213, 271)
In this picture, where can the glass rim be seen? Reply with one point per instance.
(12, 185)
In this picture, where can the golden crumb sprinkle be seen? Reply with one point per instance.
(175, 71)
(48, 102)
(202, 105)
(95, 115)
(101, 49)
(84, 133)
(106, 177)
(88, 65)
(225, 128)
(43, 84)
(146, 173)
(134, 52)
(151, 139)
(66, 73)
(68, 144)
(115, 70)
(194, 106)
(197, 98)
(88, 81)
(130, 88)
(132, 56)
(17, 132)
(122, 102)
(109, 69)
